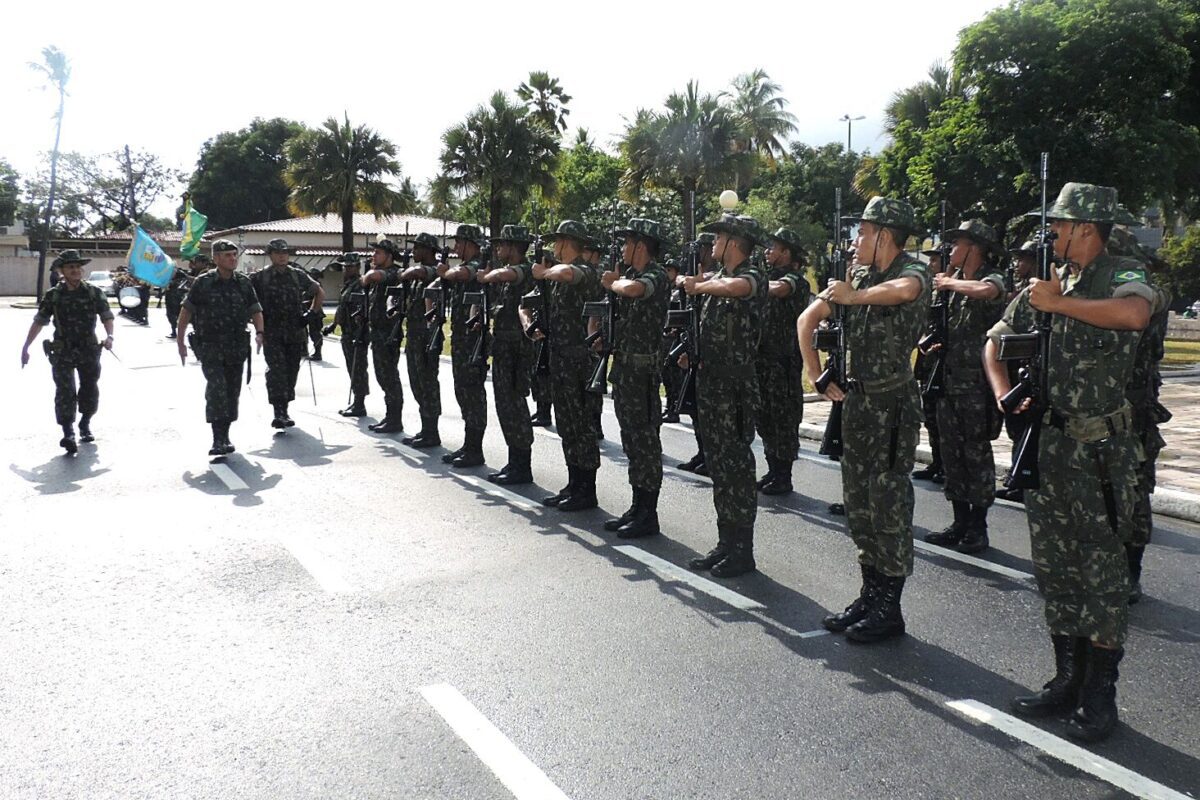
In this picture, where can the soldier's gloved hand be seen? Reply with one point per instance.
(328, 329)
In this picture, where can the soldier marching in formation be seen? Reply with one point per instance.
(351, 317)
(383, 276)
(468, 377)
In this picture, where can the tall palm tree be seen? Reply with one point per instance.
(57, 71)
(690, 146)
(546, 100)
(339, 169)
(501, 151)
(917, 103)
(761, 112)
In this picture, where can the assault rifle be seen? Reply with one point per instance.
(482, 318)
(606, 310)
(439, 294)
(399, 297)
(938, 332)
(687, 321)
(832, 340)
(535, 301)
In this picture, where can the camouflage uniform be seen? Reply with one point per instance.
(351, 318)
(316, 322)
(512, 358)
(571, 365)
(220, 310)
(282, 292)
(469, 380)
(385, 350)
(173, 296)
(422, 365)
(74, 348)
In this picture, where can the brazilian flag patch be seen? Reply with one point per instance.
(1129, 275)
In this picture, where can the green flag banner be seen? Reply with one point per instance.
(193, 226)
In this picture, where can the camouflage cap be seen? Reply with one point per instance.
(224, 246)
(706, 239)
(278, 246)
(1085, 202)
(643, 229)
(69, 257)
(740, 225)
(791, 240)
(348, 259)
(977, 231)
(471, 233)
(201, 259)
(514, 233)
(1126, 217)
(389, 247)
(888, 212)
(1028, 246)
(425, 240)
(570, 229)
(316, 272)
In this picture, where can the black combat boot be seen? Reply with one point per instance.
(1096, 715)
(541, 417)
(770, 476)
(316, 355)
(741, 554)
(692, 463)
(600, 426)
(856, 611)
(390, 423)
(781, 480)
(218, 444)
(953, 534)
(85, 435)
(883, 620)
(929, 472)
(644, 521)
(670, 415)
(1060, 694)
(572, 479)
(975, 537)
(584, 496)
(281, 416)
(356, 409)
(427, 437)
(1133, 554)
(67, 442)
(717, 554)
(616, 523)
(1012, 495)
(226, 445)
(472, 451)
(517, 471)
(837, 509)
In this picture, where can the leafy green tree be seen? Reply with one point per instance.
(339, 169)
(1182, 254)
(546, 100)
(112, 191)
(586, 177)
(239, 176)
(916, 103)
(760, 110)
(10, 193)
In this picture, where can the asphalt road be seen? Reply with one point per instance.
(334, 615)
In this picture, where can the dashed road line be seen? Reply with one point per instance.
(506, 761)
(999, 569)
(320, 567)
(668, 570)
(521, 502)
(228, 477)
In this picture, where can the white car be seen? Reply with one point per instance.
(102, 279)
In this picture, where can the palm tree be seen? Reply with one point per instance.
(502, 151)
(57, 71)
(340, 169)
(917, 103)
(690, 146)
(760, 111)
(546, 100)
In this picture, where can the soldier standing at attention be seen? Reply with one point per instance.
(966, 415)
(886, 301)
(422, 365)
(469, 379)
(727, 390)
(73, 305)
(351, 317)
(705, 266)
(780, 368)
(282, 289)
(541, 386)
(933, 471)
(221, 301)
(1024, 268)
(573, 282)
(385, 351)
(1082, 511)
(512, 352)
(314, 321)
(642, 293)
(593, 254)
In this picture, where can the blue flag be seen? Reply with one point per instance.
(147, 261)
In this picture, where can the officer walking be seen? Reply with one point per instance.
(351, 317)
(220, 302)
(73, 305)
(422, 365)
(642, 293)
(886, 305)
(469, 379)
(385, 348)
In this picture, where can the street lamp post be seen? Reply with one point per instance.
(849, 120)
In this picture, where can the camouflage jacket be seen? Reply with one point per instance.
(640, 320)
(220, 308)
(415, 316)
(1142, 390)
(969, 322)
(283, 294)
(349, 314)
(460, 312)
(880, 339)
(565, 310)
(507, 301)
(377, 299)
(779, 321)
(730, 327)
(74, 314)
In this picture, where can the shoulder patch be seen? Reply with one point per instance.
(1129, 276)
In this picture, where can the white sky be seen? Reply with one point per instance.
(410, 70)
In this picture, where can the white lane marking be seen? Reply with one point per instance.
(546, 432)
(790, 631)
(668, 570)
(228, 477)
(678, 473)
(518, 774)
(323, 570)
(405, 452)
(587, 536)
(488, 487)
(999, 569)
(1076, 756)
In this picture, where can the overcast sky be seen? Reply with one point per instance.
(164, 77)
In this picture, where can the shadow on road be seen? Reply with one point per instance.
(63, 473)
(252, 474)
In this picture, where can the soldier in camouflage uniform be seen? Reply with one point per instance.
(780, 369)
(173, 295)
(422, 365)
(1082, 512)
(885, 305)
(469, 379)
(542, 385)
(283, 290)
(932, 471)
(593, 254)
(706, 265)
(512, 352)
(641, 293)
(727, 389)
(672, 377)
(221, 301)
(1023, 268)
(351, 317)
(572, 282)
(73, 305)
(384, 277)
(973, 289)
(315, 322)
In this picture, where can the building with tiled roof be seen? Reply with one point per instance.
(322, 234)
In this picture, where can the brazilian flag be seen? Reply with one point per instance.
(192, 226)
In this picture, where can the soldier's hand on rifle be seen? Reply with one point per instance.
(683, 361)
(539, 270)
(833, 392)
(258, 341)
(534, 333)
(598, 345)
(609, 277)
(442, 269)
(1044, 295)
(689, 283)
(943, 281)
(108, 343)
(839, 292)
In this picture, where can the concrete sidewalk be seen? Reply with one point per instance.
(1178, 492)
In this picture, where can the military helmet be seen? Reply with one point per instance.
(706, 239)
(224, 246)
(471, 233)
(1085, 202)
(977, 231)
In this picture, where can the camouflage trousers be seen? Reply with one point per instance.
(469, 381)
(1078, 555)
(314, 333)
(385, 361)
(70, 397)
(174, 304)
(356, 364)
(423, 375)
(575, 410)
(283, 356)
(639, 413)
(964, 421)
(1145, 425)
(512, 360)
(727, 400)
(540, 386)
(223, 372)
(880, 432)
(782, 391)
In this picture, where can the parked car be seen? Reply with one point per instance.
(103, 279)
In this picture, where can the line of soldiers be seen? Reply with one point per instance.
(750, 332)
